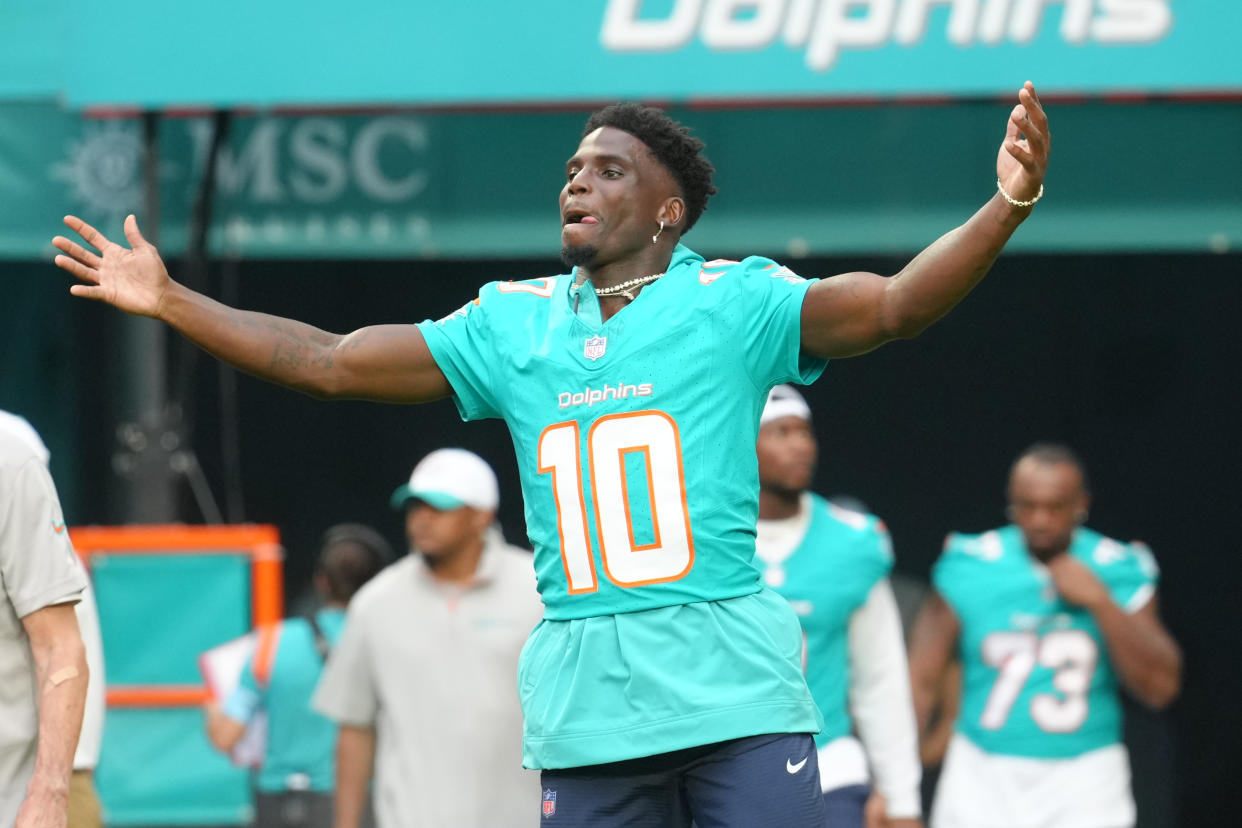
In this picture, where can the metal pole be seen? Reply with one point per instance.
(147, 433)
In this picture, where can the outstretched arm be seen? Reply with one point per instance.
(386, 363)
(856, 312)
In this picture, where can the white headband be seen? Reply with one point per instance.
(784, 401)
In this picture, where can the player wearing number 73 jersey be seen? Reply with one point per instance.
(1049, 618)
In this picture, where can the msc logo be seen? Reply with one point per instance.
(826, 27)
(104, 169)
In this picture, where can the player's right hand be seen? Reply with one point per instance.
(1075, 583)
(133, 278)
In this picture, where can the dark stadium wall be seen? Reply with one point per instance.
(42, 338)
(1130, 359)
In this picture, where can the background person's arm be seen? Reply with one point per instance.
(1147, 659)
(223, 731)
(355, 760)
(61, 676)
(932, 642)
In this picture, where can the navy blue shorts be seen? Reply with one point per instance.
(741, 783)
(846, 805)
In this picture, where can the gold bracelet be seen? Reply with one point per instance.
(1014, 201)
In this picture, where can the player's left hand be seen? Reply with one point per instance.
(1023, 155)
(1076, 583)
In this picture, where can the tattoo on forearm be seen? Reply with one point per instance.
(295, 349)
(296, 356)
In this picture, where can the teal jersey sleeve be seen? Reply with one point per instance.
(1129, 571)
(1037, 680)
(951, 572)
(769, 318)
(462, 346)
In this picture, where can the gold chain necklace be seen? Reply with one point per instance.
(625, 288)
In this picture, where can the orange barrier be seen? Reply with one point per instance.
(261, 542)
(158, 696)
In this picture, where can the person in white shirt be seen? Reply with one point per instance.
(423, 681)
(43, 670)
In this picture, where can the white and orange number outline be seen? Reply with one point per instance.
(654, 434)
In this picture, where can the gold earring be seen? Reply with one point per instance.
(658, 232)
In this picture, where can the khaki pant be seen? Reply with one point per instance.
(84, 809)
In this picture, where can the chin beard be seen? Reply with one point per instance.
(579, 255)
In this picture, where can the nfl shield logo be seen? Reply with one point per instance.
(595, 346)
(549, 802)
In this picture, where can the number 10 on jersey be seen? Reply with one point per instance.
(611, 440)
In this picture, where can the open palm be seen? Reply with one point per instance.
(133, 278)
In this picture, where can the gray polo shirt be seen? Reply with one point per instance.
(38, 569)
(433, 668)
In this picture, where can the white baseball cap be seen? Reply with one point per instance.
(450, 478)
(20, 428)
(784, 401)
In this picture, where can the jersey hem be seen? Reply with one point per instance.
(666, 735)
(1052, 756)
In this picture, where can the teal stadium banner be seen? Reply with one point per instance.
(385, 129)
(794, 182)
(294, 53)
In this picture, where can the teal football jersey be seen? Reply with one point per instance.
(827, 578)
(1037, 681)
(635, 438)
(635, 442)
